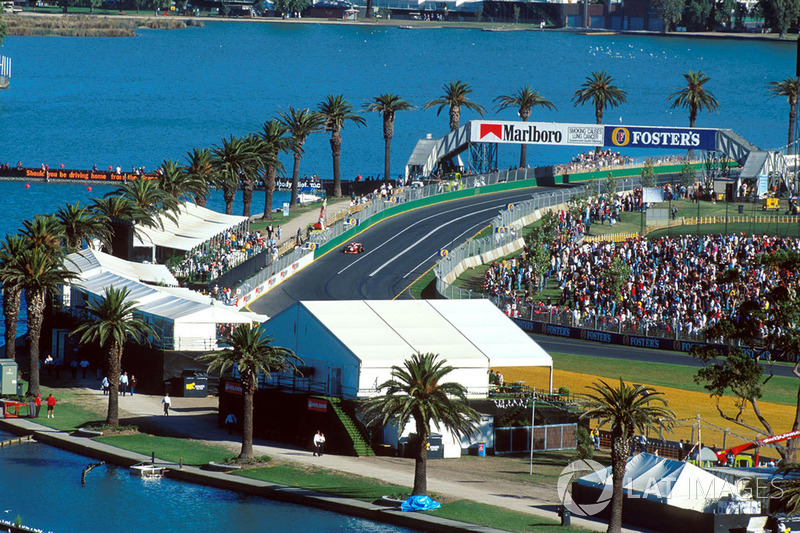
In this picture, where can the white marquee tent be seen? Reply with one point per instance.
(352, 345)
(195, 225)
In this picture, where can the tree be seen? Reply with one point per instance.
(417, 390)
(456, 96)
(199, 172)
(387, 104)
(10, 257)
(525, 99)
(274, 141)
(784, 493)
(648, 174)
(42, 270)
(627, 409)
(694, 96)
(113, 323)
(670, 11)
(149, 202)
(250, 169)
(734, 371)
(301, 123)
(790, 88)
(599, 89)
(231, 161)
(252, 354)
(79, 224)
(780, 14)
(335, 111)
(688, 175)
(610, 186)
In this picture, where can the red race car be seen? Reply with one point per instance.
(353, 248)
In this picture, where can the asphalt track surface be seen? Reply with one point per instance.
(397, 250)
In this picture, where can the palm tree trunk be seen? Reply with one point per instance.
(114, 368)
(792, 118)
(523, 156)
(387, 159)
(269, 189)
(295, 179)
(12, 297)
(421, 463)
(620, 448)
(247, 195)
(229, 194)
(336, 151)
(247, 423)
(598, 115)
(35, 298)
(455, 117)
(200, 200)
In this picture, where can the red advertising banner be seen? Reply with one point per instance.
(317, 404)
(232, 387)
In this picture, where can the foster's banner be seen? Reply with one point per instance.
(499, 131)
(655, 137)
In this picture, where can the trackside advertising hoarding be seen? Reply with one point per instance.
(515, 132)
(486, 131)
(656, 137)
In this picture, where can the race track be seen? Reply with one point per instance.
(397, 251)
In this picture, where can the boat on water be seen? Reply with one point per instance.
(5, 72)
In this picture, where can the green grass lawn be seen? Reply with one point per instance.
(70, 413)
(192, 453)
(780, 390)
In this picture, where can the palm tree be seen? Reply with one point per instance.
(79, 224)
(784, 490)
(113, 323)
(418, 390)
(199, 171)
(43, 230)
(274, 141)
(335, 111)
(256, 162)
(526, 99)
(790, 88)
(599, 88)
(694, 96)
(230, 160)
(387, 104)
(10, 255)
(41, 270)
(627, 409)
(301, 124)
(455, 97)
(252, 354)
(149, 200)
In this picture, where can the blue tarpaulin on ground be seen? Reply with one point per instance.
(419, 503)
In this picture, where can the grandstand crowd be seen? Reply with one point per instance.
(674, 285)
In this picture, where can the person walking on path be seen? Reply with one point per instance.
(319, 443)
(123, 383)
(230, 423)
(84, 366)
(51, 405)
(37, 402)
(167, 403)
(131, 384)
(105, 385)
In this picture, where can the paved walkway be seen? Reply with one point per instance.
(495, 480)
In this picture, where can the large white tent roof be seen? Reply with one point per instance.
(89, 262)
(195, 225)
(667, 481)
(381, 332)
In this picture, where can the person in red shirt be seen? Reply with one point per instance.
(51, 405)
(38, 403)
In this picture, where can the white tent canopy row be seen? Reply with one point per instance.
(89, 263)
(195, 226)
(183, 319)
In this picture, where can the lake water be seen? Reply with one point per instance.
(42, 485)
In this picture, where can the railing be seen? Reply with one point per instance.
(545, 438)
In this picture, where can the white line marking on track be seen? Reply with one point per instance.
(471, 228)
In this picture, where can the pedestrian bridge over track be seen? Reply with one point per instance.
(480, 138)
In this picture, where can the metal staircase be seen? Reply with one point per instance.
(356, 431)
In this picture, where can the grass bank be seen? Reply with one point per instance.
(84, 25)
